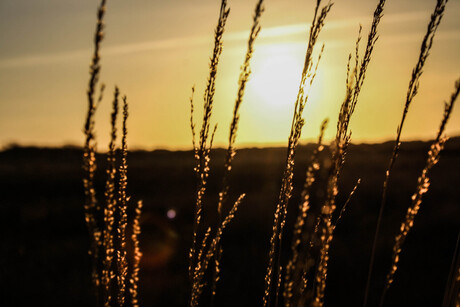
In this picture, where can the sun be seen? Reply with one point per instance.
(276, 74)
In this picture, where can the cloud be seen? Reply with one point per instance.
(181, 42)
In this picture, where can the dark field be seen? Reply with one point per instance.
(44, 241)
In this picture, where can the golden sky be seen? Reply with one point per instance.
(155, 51)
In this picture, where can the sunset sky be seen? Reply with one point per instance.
(155, 51)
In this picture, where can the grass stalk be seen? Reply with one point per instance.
(355, 81)
(203, 149)
(89, 151)
(411, 93)
(207, 252)
(137, 255)
(453, 277)
(110, 207)
(423, 185)
(123, 198)
(210, 248)
(344, 208)
(308, 74)
(107, 225)
(231, 151)
(457, 284)
(294, 268)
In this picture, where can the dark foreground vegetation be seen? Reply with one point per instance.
(44, 259)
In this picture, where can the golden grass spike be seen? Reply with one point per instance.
(137, 255)
(192, 122)
(423, 184)
(231, 152)
(110, 207)
(273, 267)
(122, 263)
(339, 150)
(412, 90)
(203, 150)
(206, 254)
(294, 268)
(89, 152)
(211, 85)
(344, 208)
(199, 270)
(243, 79)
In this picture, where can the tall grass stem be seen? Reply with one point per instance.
(411, 93)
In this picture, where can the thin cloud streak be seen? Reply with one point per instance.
(168, 44)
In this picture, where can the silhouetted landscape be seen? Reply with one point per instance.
(327, 224)
(45, 242)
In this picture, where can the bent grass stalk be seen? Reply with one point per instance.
(411, 93)
(423, 184)
(207, 252)
(355, 81)
(308, 75)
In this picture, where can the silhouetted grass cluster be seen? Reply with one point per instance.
(423, 184)
(211, 249)
(299, 279)
(107, 222)
(274, 269)
(411, 93)
(298, 289)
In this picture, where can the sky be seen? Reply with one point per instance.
(155, 51)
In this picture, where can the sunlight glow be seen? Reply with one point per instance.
(276, 74)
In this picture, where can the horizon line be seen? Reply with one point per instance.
(249, 145)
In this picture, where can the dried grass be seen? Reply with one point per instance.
(355, 81)
(116, 282)
(211, 248)
(89, 151)
(110, 206)
(423, 184)
(107, 224)
(412, 91)
(231, 151)
(274, 269)
(297, 267)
